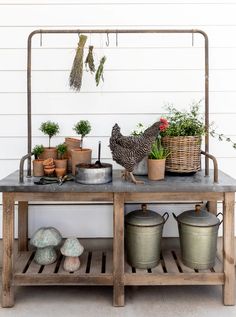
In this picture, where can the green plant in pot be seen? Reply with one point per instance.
(50, 129)
(182, 139)
(61, 161)
(37, 162)
(156, 160)
(81, 154)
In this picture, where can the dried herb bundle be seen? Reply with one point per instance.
(76, 73)
(89, 62)
(100, 71)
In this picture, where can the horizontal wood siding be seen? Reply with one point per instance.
(142, 74)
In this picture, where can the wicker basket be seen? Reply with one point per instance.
(185, 153)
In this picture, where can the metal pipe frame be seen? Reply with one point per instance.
(117, 31)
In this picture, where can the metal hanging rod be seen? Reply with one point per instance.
(131, 31)
(117, 31)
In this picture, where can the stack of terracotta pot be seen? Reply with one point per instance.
(76, 154)
(48, 166)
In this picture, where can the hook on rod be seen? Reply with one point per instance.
(41, 38)
(192, 39)
(108, 40)
(116, 38)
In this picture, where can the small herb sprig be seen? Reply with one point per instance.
(89, 61)
(100, 71)
(222, 137)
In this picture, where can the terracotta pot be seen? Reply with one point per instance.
(38, 168)
(72, 143)
(61, 163)
(49, 152)
(80, 156)
(60, 172)
(49, 171)
(49, 162)
(156, 169)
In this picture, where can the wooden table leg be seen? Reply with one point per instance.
(212, 207)
(23, 225)
(118, 250)
(8, 244)
(228, 249)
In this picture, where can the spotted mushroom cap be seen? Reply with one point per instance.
(72, 247)
(45, 237)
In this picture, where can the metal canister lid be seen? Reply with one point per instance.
(144, 217)
(198, 218)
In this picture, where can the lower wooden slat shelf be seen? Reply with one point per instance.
(171, 271)
(97, 269)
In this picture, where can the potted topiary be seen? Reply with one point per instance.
(37, 162)
(61, 162)
(156, 161)
(81, 155)
(51, 129)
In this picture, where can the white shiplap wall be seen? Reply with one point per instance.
(141, 75)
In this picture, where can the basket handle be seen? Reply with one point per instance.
(165, 215)
(220, 213)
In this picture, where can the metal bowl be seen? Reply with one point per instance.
(92, 174)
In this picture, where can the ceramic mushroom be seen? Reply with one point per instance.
(45, 240)
(72, 249)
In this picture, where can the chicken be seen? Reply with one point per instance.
(128, 151)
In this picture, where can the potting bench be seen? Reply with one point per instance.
(108, 267)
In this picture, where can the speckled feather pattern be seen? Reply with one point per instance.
(130, 150)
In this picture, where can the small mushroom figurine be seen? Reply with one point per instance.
(72, 249)
(45, 239)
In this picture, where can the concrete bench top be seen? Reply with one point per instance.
(194, 183)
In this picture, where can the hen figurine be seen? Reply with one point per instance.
(128, 151)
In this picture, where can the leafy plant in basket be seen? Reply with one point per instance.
(184, 123)
(182, 139)
(51, 129)
(82, 128)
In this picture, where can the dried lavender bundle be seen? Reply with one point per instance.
(100, 71)
(89, 62)
(76, 73)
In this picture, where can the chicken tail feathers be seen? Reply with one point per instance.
(115, 134)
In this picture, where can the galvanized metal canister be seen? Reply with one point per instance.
(143, 237)
(198, 231)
